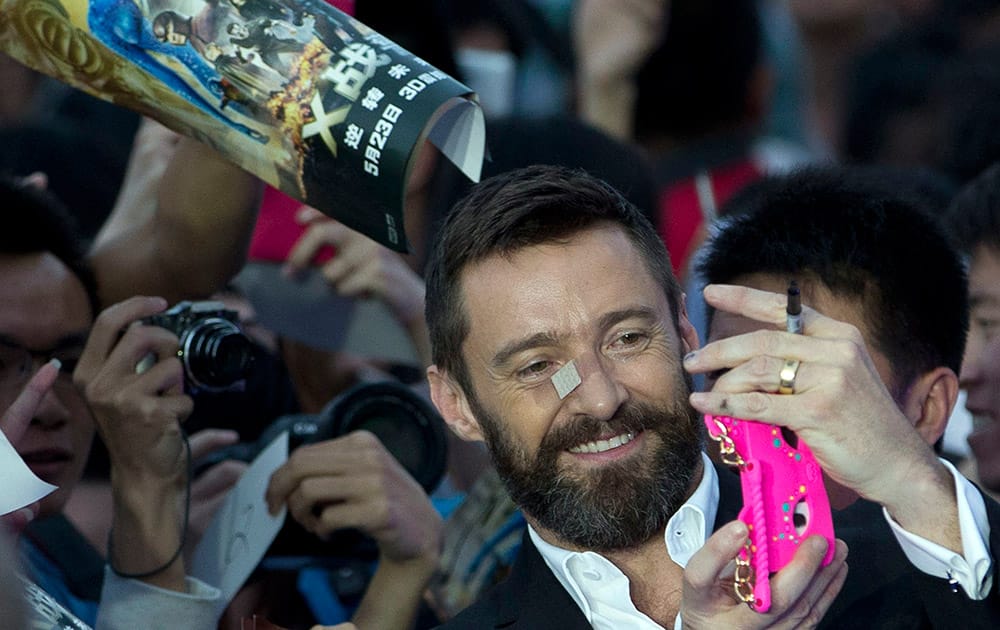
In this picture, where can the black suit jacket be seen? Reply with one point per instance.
(883, 590)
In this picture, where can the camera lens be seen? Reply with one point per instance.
(404, 422)
(216, 354)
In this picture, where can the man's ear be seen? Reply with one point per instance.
(689, 334)
(453, 405)
(929, 403)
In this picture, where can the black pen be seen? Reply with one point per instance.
(793, 312)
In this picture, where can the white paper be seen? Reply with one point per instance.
(242, 529)
(20, 486)
(460, 133)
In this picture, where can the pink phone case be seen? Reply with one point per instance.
(784, 499)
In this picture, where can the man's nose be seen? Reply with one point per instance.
(971, 370)
(600, 392)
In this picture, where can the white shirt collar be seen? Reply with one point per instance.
(601, 590)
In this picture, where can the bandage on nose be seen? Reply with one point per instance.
(566, 379)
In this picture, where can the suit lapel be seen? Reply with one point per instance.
(535, 598)
(532, 597)
(730, 496)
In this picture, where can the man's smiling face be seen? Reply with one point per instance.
(605, 467)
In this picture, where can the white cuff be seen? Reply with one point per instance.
(127, 604)
(972, 569)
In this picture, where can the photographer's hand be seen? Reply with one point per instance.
(138, 415)
(353, 481)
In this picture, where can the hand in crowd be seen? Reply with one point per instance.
(353, 481)
(137, 411)
(608, 62)
(15, 422)
(138, 414)
(361, 267)
(840, 408)
(801, 592)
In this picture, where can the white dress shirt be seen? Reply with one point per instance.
(601, 590)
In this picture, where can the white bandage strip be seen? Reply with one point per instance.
(566, 379)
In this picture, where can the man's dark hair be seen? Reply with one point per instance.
(697, 81)
(973, 217)
(863, 241)
(34, 221)
(518, 209)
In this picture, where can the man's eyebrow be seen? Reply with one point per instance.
(983, 298)
(637, 312)
(502, 356)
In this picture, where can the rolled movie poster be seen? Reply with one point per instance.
(297, 92)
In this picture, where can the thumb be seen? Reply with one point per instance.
(706, 566)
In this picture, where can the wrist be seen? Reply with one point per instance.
(926, 505)
(148, 531)
(423, 564)
(425, 560)
(145, 490)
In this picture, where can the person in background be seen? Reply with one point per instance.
(974, 220)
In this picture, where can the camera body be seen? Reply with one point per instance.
(398, 415)
(215, 353)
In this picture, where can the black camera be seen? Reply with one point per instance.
(213, 349)
(403, 420)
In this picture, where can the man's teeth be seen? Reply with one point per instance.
(604, 445)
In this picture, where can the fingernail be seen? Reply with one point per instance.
(697, 398)
(27, 514)
(690, 356)
(56, 362)
(740, 531)
(159, 302)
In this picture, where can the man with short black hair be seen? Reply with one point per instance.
(974, 220)
(874, 256)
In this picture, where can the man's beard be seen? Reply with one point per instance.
(612, 507)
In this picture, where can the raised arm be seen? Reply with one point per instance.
(182, 222)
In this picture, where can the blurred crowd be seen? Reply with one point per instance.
(687, 107)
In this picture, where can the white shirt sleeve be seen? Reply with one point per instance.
(127, 604)
(972, 569)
